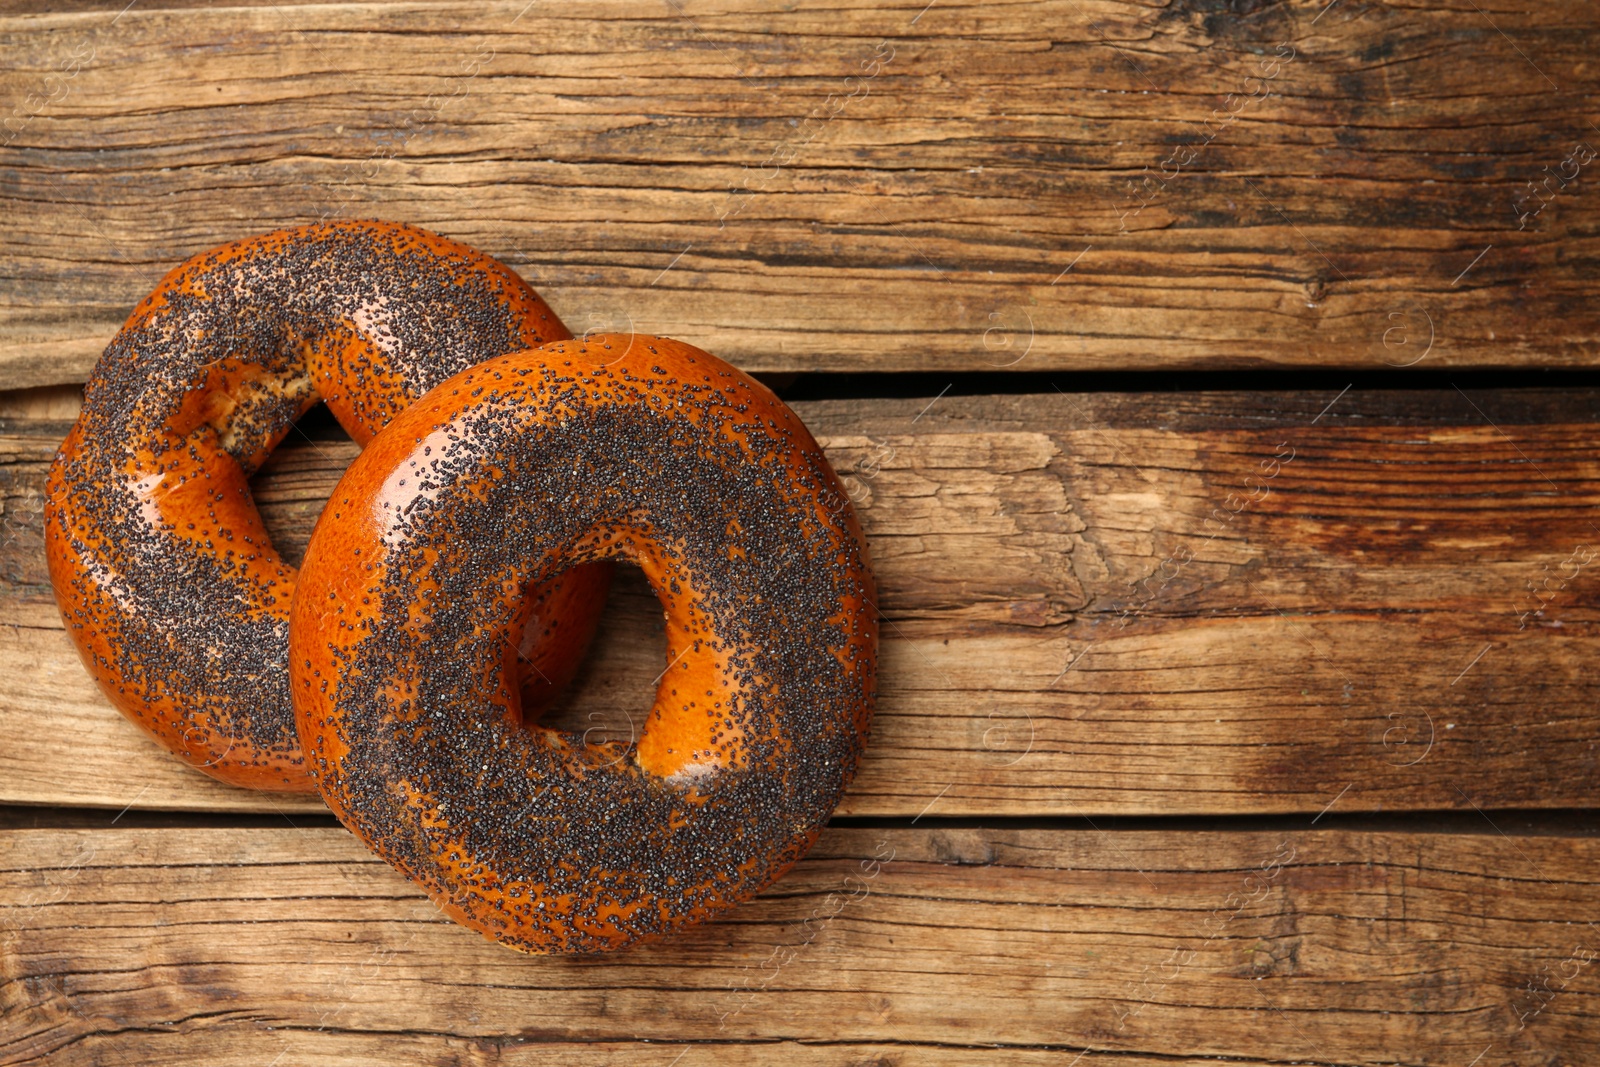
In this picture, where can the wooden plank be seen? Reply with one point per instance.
(1100, 184)
(1331, 947)
(1077, 619)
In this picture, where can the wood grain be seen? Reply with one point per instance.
(885, 946)
(1093, 603)
(1101, 184)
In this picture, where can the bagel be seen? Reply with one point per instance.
(618, 446)
(165, 576)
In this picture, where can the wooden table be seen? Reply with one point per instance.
(1217, 383)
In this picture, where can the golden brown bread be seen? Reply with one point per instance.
(416, 576)
(166, 578)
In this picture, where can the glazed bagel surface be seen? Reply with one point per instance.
(619, 446)
(166, 578)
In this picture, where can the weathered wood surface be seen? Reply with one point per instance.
(893, 946)
(1094, 603)
(1082, 183)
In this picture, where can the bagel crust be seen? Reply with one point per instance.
(623, 446)
(165, 576)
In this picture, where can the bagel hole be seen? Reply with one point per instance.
(610, 697)
(295, 481)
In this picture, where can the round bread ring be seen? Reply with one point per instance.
(165, 576)
(617, 446)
